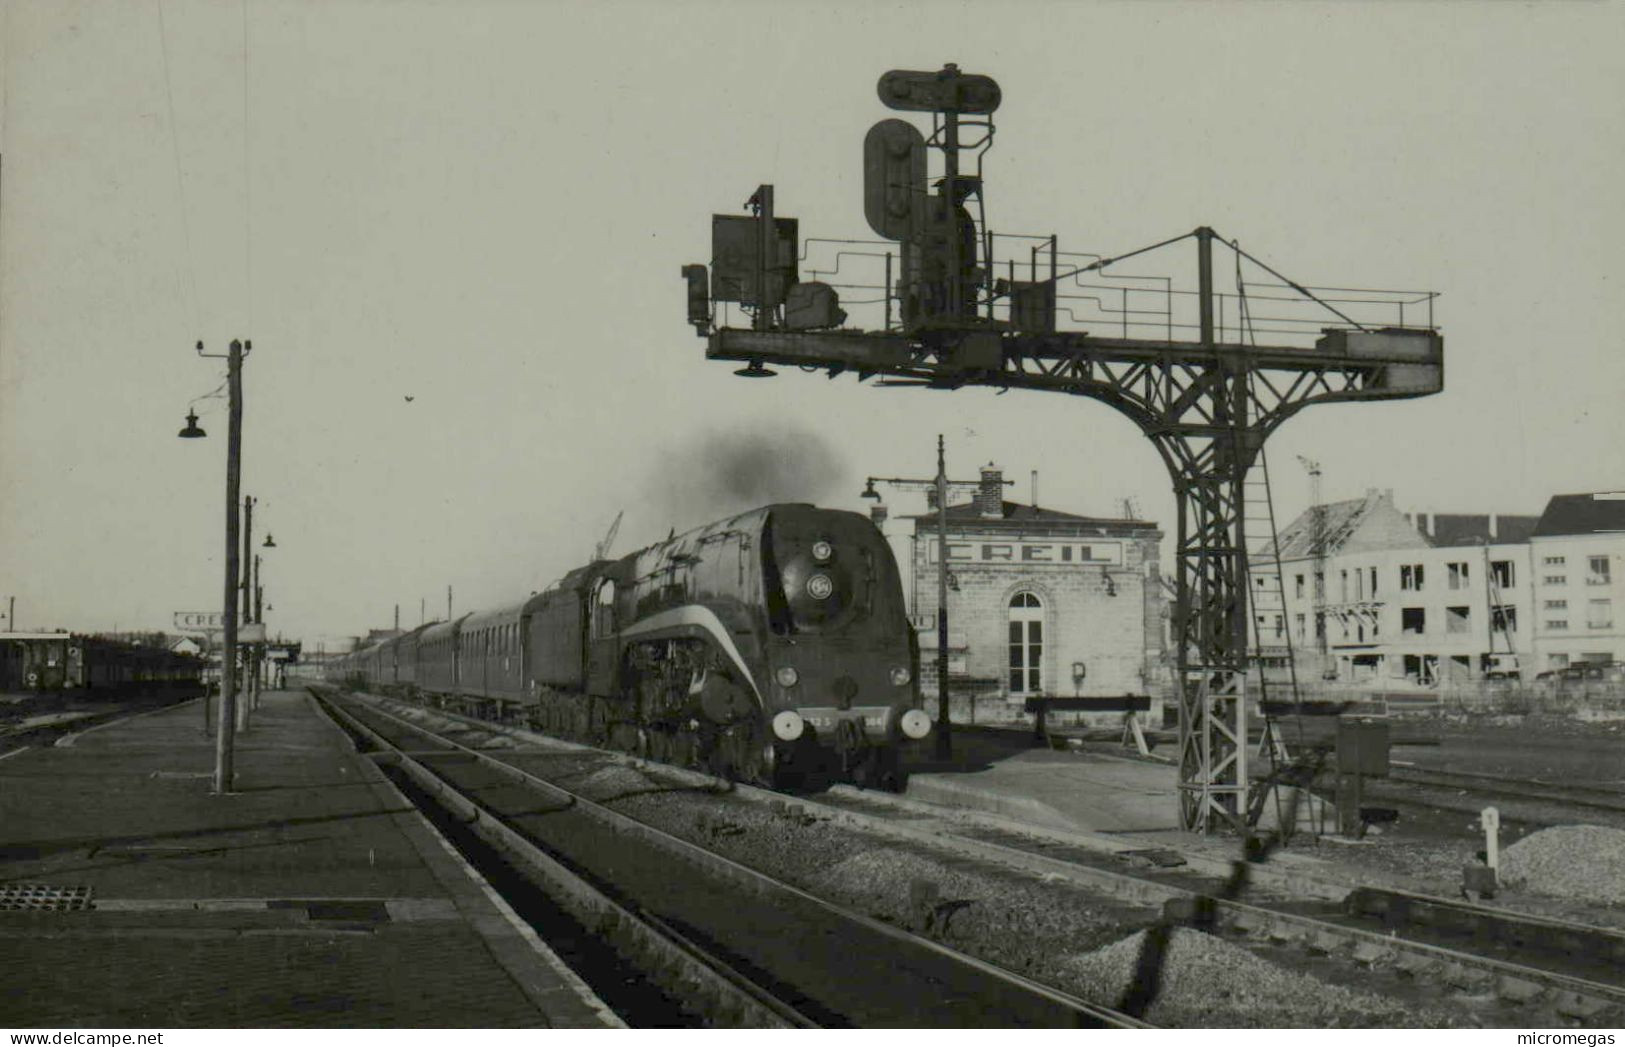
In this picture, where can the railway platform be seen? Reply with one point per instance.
(1001, 771)
(311, 895)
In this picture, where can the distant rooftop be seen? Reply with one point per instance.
(1596, 513)
(1447, 529)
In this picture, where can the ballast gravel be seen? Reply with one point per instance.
(1581, 862)
(1208, 982)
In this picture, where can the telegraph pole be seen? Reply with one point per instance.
(225, 725)
(939, 486)
(248, 610)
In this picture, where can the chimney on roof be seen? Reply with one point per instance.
(1493, 527)
(990, 496)
(877, 514)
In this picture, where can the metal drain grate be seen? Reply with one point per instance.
(43, 896)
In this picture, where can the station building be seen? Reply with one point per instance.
(1369, 595)
(1040, 602)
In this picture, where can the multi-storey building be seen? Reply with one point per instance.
(1577, 567)
(1368, 594)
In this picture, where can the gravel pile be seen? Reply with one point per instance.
(610, 781)
(1581, 862)
(1212, 983)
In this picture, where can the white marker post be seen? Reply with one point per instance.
(1490, 819)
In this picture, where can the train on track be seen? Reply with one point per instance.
(769, 646)
(59, 661)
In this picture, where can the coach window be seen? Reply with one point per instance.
(1026, 643)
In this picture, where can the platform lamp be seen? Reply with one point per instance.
(224, 725)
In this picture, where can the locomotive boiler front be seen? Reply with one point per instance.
(838, 654)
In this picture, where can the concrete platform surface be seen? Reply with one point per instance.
(312, 895)
(1003, 772)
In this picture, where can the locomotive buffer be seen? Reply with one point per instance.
(1207, 404)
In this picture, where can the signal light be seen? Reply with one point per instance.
(893, 178)
(699, 295)
(948, 91)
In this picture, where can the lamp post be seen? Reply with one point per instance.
(940, 484)
(225, 724)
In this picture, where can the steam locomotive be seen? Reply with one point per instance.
(767, 647)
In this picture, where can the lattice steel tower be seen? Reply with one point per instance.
(1207, 398)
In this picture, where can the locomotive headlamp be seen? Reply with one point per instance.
(788, 725)
(819, 587)
(900, 676)
(822, 551)
(915, 724)
(787, 676)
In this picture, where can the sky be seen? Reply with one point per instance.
(454, 233)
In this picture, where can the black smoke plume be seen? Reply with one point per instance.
(718, 473)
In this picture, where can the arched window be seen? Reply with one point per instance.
(1026, 644)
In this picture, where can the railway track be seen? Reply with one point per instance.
(1532, 969)
(745, 948)
(1591, 797)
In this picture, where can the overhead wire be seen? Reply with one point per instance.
(189, 277)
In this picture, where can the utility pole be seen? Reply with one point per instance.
(448, 603)
(225, 725)
(248, 611)
(939, 486)
(259, 616)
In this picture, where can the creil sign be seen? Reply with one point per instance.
(1029, 553)
(199, 621)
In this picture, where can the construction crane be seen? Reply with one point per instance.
(1317, 549)
(601, 551)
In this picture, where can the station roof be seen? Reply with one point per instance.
(1015, 516)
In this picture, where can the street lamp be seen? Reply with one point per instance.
(941, 485)
(223, 754)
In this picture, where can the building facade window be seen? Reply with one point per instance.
(1297, 587)
(1410, 577)
(1504, 618)
(1301, 624)
(1373, 583)
(1555, 561)
(1413, 621)
(1026, 644)
(1502, 574)
(1597, 572)
(1557, 661)
(1456, 576)
(1557, 605)
(1600, 614)
(1555, 579)
(1457, 619)
(1557, 624)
